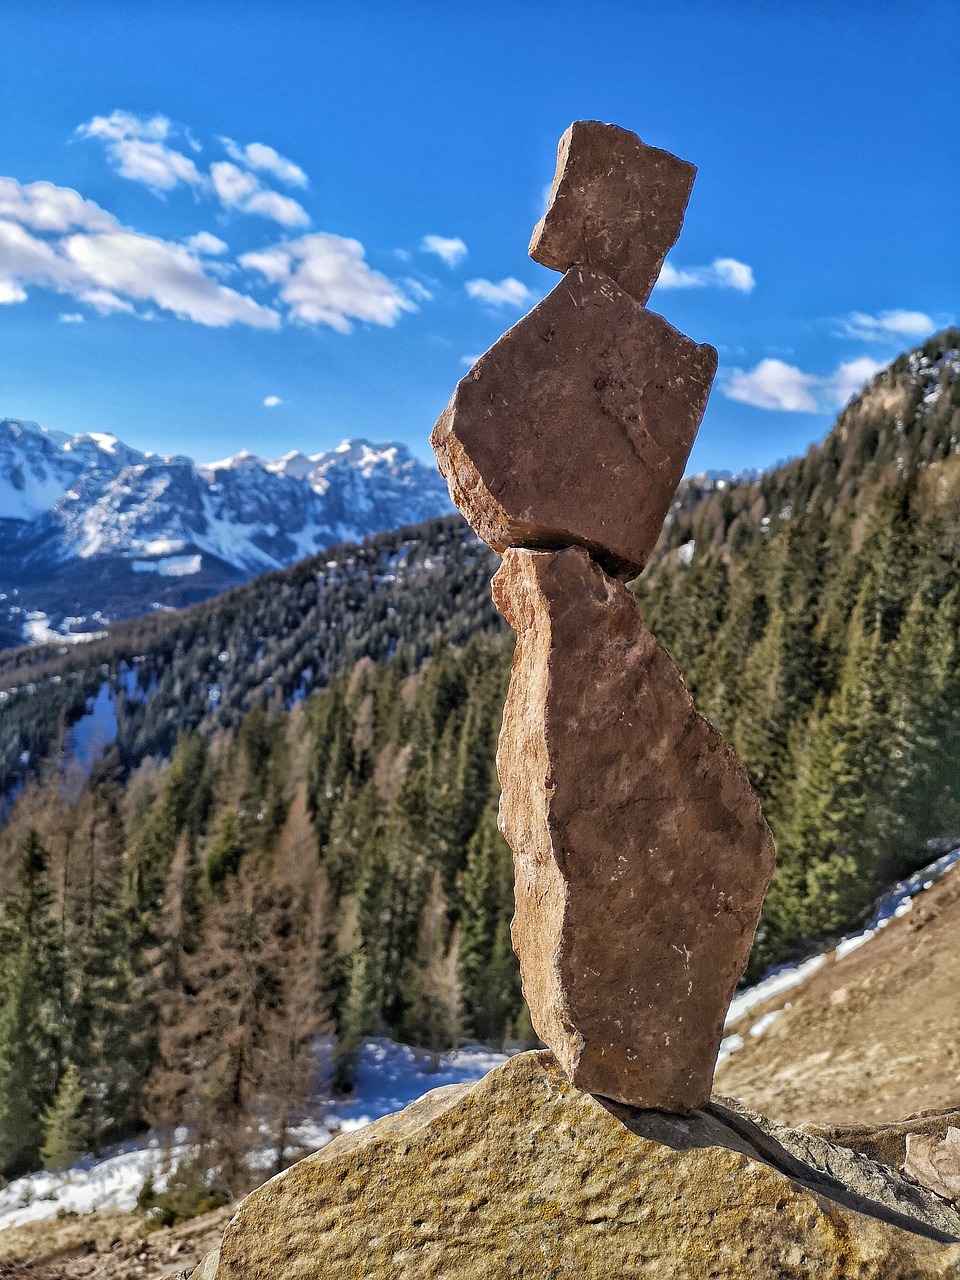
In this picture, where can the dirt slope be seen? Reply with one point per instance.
(872, 1037)
(106, 1246)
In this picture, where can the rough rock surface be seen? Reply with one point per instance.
(935, 1162)
(640, 853)
(522, 1175)
(575, 427)
(616, 204)
(887, 1143)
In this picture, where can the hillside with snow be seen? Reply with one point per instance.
(92, 530)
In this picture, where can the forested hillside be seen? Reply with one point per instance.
(276, 640)
(173, 940)
(287, 825)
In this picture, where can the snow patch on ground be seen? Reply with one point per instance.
(96, 729)
(389, 1077)
(170, 567)
(37, 630)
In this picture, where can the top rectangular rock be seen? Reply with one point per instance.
(616, 204)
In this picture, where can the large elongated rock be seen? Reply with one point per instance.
(522, 1176)
(575, 427)
(640, 853)
(616, 204)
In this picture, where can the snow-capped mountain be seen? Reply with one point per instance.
(91, 529)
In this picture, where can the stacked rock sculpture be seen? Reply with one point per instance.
(640, 853)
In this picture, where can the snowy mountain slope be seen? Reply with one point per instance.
(91, 529)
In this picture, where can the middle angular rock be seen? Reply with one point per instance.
(576, 425)
(640, 851)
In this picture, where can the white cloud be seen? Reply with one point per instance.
(138, 150)
(849, 378)
(239, 189)
(773, 384)
(44, 207)
(450, 248)
(723, 273)
(508, 293)
(206, 243)
(325, 279)
(123, 124)
(152, 270)
(469, 361)
(71, 317)
(257, 155)
(887, 326)
(271, 402)
(106, 266)
(273, 264)
(10, 292)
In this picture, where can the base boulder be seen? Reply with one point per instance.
(522, 1175)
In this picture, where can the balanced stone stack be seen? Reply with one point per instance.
(641, 858)
(640, 852)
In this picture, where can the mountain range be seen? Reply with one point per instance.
(92, 530)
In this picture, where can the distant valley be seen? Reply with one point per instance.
(92, 530)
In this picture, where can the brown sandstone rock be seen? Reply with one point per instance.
(935, 1162)
(640, 853)
(575, 427)
(616, 204)
(523, 1176)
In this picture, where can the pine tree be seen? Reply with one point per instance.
(488, 967)
(434, 1018)
(31, 1012)
(64, 1126)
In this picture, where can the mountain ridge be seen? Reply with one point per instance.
(93, 530)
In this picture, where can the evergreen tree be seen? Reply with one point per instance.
(64, 1127)
(31, 1012)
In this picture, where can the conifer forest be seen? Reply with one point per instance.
(285, 832)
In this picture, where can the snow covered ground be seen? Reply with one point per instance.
(388, 1078)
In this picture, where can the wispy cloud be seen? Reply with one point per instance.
(257, 155)
(774, 384)
(722, 273)
(71, 317)
(325, 279)
(138, 150)
(417, 289)
(237, 188)
(469, 361)
(271, 402)
(507, 293)
(450, 248)
(887, 326)
(92, 258)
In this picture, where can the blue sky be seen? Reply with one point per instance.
(273, 225)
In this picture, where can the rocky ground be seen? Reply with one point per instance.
(869, 1038)
(106, 1246)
